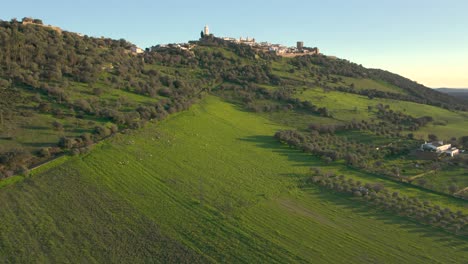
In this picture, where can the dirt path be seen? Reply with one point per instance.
(461, 191)
(410, 179)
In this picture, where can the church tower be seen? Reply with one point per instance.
(206, 31)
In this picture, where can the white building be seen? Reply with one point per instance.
(246, 40)
(440, 147)
(230, 39)
(136, 50)
(452, 152)
(206, 30)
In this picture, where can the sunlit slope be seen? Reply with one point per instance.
(346, 107)
(209, 184)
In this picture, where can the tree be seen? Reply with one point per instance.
(57, 126)
(202, 35)
(98, 91)
(435, 167)
(44, 152)
(453, 188)
(464, 141)
(357, 193)
(102, 131)
(84, 105)
(113, 128)
(44, 107)
(87, 139)
(327, 159)
(378, 187)
(23, 170)
(66, 143)
(351, 159)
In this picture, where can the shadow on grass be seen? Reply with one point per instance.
(81, 130)
(269, 142)
(436, 235)
(359, 207)
(304, 159)
(39, 144)
(25, 108)
(36, 127)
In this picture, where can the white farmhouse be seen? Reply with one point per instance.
(437, 146)
(452, 152)
(136, 50)
(440, 147)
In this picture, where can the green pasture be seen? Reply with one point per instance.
(207, 185)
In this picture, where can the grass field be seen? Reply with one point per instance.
(346, 107)
(368, 84)
(441, 180)
(206, 185)
(284, 69)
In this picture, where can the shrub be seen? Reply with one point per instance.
(44, 152)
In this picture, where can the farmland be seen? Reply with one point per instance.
(210, 184)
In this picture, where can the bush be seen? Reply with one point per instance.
(102, 131)
(113, 128)
(23, 170)
(44, 152)
(66, 143)
(357, 193)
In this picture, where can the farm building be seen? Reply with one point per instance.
(136, 50)
(440, 147)
(437, 146)
(452, 152)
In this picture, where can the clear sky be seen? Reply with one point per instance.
(424, 40)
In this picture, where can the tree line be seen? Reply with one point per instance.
(377, 196)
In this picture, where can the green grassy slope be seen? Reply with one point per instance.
(209, 184)
(362, 84)
(347, 107)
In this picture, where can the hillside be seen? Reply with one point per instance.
(219, 152)
(83, 89)
(214, 180)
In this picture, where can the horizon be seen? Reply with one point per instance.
(421, 40)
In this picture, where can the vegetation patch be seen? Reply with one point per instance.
(377, 195)
(208, 184)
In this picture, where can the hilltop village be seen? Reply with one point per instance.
(278, 49)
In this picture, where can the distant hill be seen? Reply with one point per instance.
(450, 90)
(455, 92)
